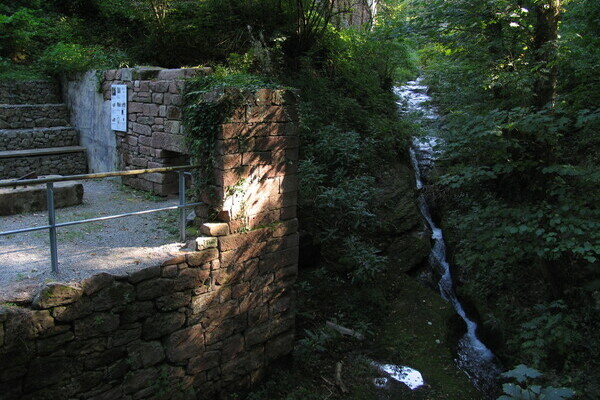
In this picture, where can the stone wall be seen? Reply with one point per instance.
(64, 163)
(197, 326)
(38, 138)
(24, 116)
(154, 136)
(33, 92)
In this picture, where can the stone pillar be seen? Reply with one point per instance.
(255, 197)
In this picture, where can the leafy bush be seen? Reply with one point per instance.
(70, 58)
(526, 390)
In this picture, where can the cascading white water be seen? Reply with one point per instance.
(473, 356)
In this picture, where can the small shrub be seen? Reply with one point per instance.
(526, 390)
(70, 58)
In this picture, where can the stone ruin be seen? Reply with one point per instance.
(201, 324)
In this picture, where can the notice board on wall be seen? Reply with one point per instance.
(118, 108)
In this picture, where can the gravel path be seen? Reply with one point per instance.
(116, 246)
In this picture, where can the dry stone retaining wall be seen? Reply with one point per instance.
(199, 325)
(58, 164)
(24, 116)
(38, 138)
(29, 92)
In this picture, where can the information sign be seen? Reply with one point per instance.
(118, 108)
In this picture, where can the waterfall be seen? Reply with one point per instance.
(473, 356)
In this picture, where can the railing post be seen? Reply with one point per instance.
(52, 229)
(182, 217)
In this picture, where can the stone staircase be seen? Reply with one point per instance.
(35, 134)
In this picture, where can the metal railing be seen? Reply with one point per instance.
(53, 226)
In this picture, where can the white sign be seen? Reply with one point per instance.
(118, 108)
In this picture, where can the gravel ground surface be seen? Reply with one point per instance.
(117, 246)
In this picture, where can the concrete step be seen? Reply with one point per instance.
(25, 116)
(37, 138)
(29, 92)
(69, 160)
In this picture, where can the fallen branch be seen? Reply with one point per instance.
(338, 378)
(345, 331)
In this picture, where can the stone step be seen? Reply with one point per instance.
(69, 160)
(37, 138)
(24, 199)
(25, 116)
(29, 92)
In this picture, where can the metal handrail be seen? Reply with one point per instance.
(52, 225)
(82, 177)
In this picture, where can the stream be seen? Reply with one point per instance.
(473, 356)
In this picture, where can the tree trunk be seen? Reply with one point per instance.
(545, 50)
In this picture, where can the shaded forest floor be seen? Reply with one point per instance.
(416, 332)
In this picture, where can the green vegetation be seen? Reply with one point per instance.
(518, 180)
(526, 390)
(209, 102)
(518, 183)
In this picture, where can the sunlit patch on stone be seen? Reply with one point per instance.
(409, 376)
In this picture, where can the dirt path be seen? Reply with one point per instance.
(116, 246)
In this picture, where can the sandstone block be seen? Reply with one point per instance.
(97, 282)
(114, 297)
(204, 362)
(153, 288)
(270, 114)
(123, 337)
(162, 324)
(198, 258)
(96, 325)
(243, 365)
(184, 344)
(144, 274)
(46, 371)
(232, 131)
(56, 294)
(203, 302)
(242, 254)
(103, 359)
(169, 271)
(229, 161)
(137, 311)
(286, 228)
(232, 347)
(257, 158)
(173, 301)
(214, 229)
(206, 242)
(263, 333)
(224, 329)
(137, 380)
(74, 311)
(232, 242)
(229, 146)
(191, 278)
(145, 354)
(175, 260)
(279, 259)
(279, 346)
